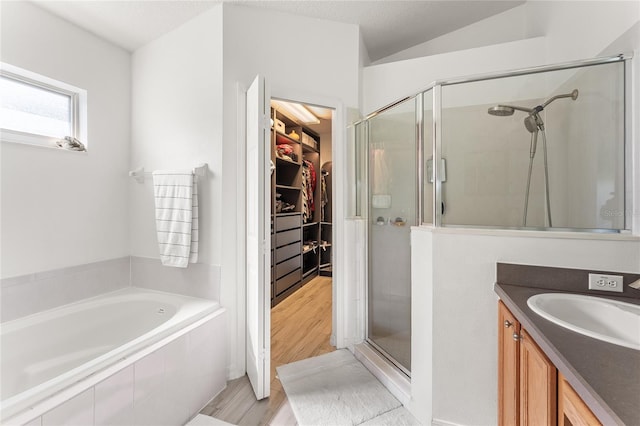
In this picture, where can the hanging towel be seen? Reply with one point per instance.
(176, 197)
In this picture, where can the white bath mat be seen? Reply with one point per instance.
(396, 417)
(202, 420)
(334, 389)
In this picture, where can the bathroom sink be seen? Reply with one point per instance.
(603, 319)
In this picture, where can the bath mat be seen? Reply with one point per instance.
(202, 420)
(334, 389)
(396, 417)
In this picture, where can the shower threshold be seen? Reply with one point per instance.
(394, 379)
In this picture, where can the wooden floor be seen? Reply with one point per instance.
(300, 329)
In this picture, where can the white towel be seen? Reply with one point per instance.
(176, 196)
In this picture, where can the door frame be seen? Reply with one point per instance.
(341, 307)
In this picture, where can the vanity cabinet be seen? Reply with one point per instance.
(526, 377)
(572, 411)
(538, 378)
(508, 368)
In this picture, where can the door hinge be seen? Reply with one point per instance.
(266, 122)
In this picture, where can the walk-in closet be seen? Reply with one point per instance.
(301, 216)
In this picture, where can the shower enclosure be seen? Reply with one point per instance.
(541, 149)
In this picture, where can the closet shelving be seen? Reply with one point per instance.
(326, 225)
(325, 249)
(295, 256)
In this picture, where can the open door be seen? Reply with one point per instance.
(258, 224)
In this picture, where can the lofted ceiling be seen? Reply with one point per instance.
(387, 26)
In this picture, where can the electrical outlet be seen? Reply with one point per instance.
(605, 282)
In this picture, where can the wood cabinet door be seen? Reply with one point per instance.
(508, 367)
(538, 379)
(572, 411)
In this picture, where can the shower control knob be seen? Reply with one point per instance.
(507, 323)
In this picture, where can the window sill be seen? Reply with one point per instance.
(38, 145)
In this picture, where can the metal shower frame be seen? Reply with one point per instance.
(436, 88)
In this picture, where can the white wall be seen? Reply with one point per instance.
(62, 208)
(177, 124)
(507, 26)
(463, 341)
(300, 57)
(558, 20)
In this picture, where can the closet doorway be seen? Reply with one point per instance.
(301, 235)
(274, 268)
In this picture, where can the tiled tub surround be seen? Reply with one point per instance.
(604, 375)
(27, 294)
(198, 280)
(161, 375)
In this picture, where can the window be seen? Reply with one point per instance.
(38, 110)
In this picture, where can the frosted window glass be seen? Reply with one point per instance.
(32, 109)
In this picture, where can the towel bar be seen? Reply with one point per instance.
(139, 174)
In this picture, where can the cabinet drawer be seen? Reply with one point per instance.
(285, 252)
(287, 281)
(288, 222)
(287, 266)
(287, 237)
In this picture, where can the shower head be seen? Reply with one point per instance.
(530, 123)
(506, 110)
(501, 110)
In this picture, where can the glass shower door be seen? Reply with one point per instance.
(392, 157)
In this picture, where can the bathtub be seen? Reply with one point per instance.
(45, 355)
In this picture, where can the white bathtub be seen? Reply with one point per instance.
(44, 354)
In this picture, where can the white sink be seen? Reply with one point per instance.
(604, 319)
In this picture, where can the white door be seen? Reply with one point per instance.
(258, 239)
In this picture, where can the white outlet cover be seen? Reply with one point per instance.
(606, 282)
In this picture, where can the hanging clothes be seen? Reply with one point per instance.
(308, 190)
(324, 196)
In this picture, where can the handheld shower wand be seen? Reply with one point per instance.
(534, 124)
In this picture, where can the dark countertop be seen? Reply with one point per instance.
(606, 376)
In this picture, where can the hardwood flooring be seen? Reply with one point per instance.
(300, 329)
